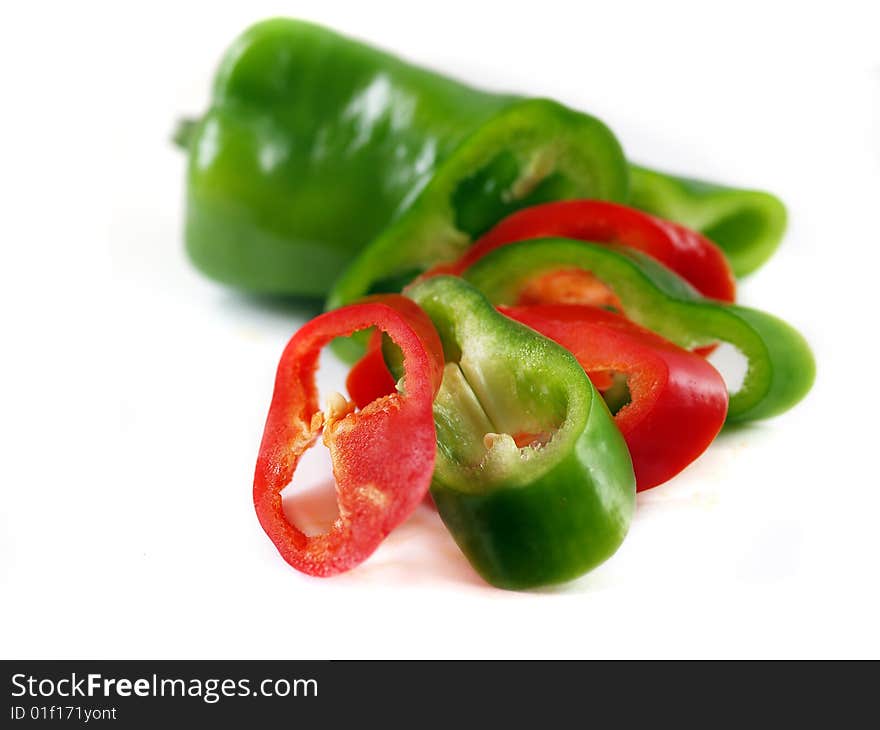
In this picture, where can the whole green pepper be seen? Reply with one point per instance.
(780, 369)
(746, 224)
(532, 477)
(315, 144)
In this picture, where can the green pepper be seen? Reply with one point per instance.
(532, 477)
(746, 224)
(315, 144)
(780, 369)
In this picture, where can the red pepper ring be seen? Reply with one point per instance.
(692, 256)
(375, 493)
(678, 401)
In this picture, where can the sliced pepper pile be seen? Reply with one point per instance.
(573, 375)
(530, 314)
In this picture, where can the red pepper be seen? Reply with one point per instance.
(678, 401)
(383, 454)
(369, 378)
(692, 256)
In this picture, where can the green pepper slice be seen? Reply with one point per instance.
(746, 224)
(534, 151)
(781, 368)
(532, 477)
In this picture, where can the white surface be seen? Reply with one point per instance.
(134, 391)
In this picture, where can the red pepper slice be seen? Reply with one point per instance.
(692, 256)
(383, 454)
(678, 401)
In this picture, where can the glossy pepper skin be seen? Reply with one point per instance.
(677, 401)
(781, 368)
(747, 224)
(532, 478)
(315, 144)
(375, 493)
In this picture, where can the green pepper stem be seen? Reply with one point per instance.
(183, 132)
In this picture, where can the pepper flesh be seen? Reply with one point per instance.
(692, 256)
(374, 493)
(532, 478)
(780, 370)
(370, 378)
(678, 401)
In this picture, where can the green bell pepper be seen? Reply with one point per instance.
(746, 224)
(532, 477)
(780, 369)
(315, 144)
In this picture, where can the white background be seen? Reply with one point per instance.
(134, 391)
